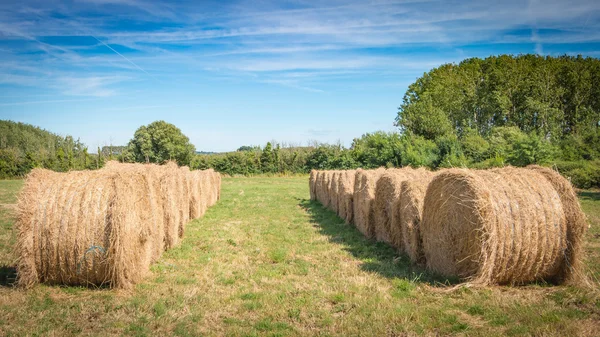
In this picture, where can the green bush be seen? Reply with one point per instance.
(583, 174)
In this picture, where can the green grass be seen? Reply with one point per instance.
(265, 261)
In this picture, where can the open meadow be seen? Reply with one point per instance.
(265, 260)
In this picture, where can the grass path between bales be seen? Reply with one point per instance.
(267, 261)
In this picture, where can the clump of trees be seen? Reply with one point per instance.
(515, 110)
(24, 146)
(158, 142)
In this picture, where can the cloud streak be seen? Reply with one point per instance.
(268, 42)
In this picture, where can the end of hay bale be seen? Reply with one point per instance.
(410, 205)
(504, 226)
(572, 271)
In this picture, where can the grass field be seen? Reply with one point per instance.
(267, 261)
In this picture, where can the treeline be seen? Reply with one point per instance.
(24, 147)
(504, 146)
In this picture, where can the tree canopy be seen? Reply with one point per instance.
(554, 97)
(158, 142)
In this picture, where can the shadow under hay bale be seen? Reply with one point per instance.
(502, 226)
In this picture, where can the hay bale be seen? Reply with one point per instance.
(312, 184)
(345, 195)
(334, 191)
(82, 228)
(197, 198)
(323, 189)
(410, 212)
(161, 195)
(218, 185)
(503, 226)
(210, 184)
(387, 193)
(572, 270)
(184, 190)
(364, 195)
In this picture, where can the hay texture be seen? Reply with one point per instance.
(198, 196)
(572, 270)
(363, 199)
(323, 187)
(82, 228)
(345, 195)
(334, 191)
(502, 226)
(312, 184)
(386, 212)
(159, 193)
(410, 212)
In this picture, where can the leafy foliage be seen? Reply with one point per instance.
(158, 142)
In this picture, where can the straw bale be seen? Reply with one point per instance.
(364, 195)
(334, 191)
(312, 184)
(410, 211)
(502, 226)
(572, 271)
(345, 195)
(82, 228)
(387, 193)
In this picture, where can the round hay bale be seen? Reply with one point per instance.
(210, 184)
(410, 209)
(163, 195)
(311, 184)
(197, 200)
(173, 195)
(364, 194)
(345, 195)
(334, 191)
(184, 191)
(324, 188)
(502, 226)
(83, 228)
(572, 271)
(218, 185)
(386, 213)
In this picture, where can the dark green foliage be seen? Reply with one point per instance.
(583, 174)
(161, 141)
(24, 147)
(551, 96)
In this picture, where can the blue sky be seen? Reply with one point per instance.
(247, 72)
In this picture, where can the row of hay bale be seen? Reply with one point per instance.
(105, 227)
(499, 226)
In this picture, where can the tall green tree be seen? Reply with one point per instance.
(161, 141)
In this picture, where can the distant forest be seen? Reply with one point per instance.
(480, 113)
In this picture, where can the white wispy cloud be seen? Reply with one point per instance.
(303, 41)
